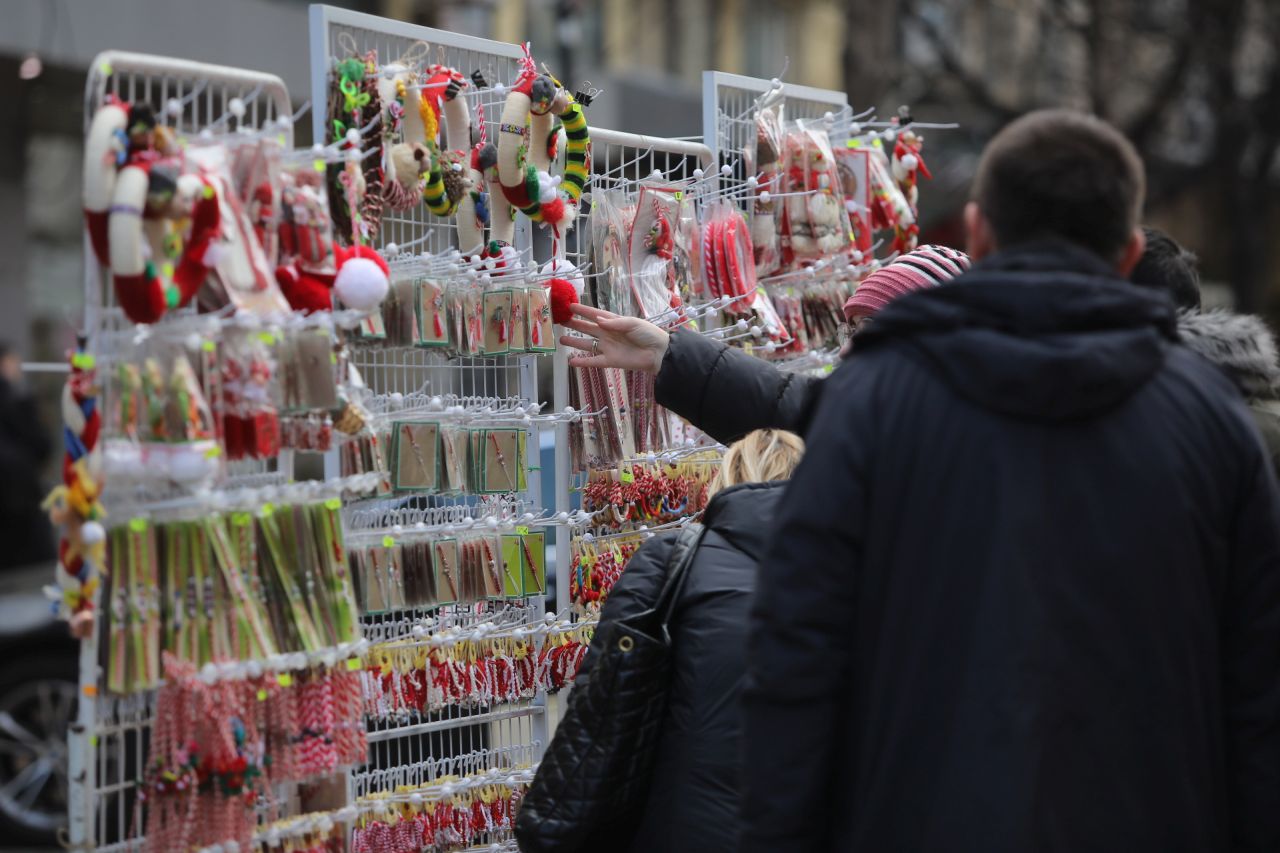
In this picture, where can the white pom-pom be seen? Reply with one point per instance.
(752, 182)
(888, 135)
(353, 136)
(855, 128)
(775, 83)
(498, 88)
(91, 533)
(392, 249)
(354, 155)
(457, 167)
(285, 122)
(361, 284)
(726, 170)
(910, 162)
(236, 107)
(697, 174)
(828, 117)
(173, 107)
(857, 256)
(318, 148)
(214, 255)
(764, 197)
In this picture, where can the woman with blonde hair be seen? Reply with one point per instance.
(691, 801)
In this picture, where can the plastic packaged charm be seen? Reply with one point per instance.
(813, 213)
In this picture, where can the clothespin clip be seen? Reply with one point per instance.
(477, 77)
(587, 93)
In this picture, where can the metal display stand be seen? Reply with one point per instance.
(107, 745)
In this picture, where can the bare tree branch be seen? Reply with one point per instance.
(973, 84)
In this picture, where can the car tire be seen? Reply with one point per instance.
(38, 691)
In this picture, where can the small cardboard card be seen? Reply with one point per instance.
(541, 335)
(433, 326)
(519, 319)
(500, 461)
(453, 459)
(497, 323)
(533, 563)
(512, 566)
(447, 568)
(416, 455)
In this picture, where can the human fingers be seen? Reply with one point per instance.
(589, 361)
(575, 342)
(590, 312)
(584, 327)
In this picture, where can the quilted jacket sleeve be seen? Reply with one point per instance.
(726, 393)
(636, 591)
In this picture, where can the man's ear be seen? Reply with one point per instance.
(1132, 253)
(980, 241)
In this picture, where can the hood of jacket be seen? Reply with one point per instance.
(1043, 332)
(744, 514)
(1239, 344)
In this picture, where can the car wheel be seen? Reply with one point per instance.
(37, 703)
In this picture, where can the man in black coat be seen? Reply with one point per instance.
(1025, 594)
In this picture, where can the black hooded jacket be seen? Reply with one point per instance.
(697, 775)
(1024, 594)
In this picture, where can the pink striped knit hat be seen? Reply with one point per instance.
(927, 266)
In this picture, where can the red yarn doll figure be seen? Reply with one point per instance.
(907, 166)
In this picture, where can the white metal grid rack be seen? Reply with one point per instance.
(728, 114)
(107, 745)
(420, 747)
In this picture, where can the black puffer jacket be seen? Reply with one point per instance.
(694, 800)
(1025, 591)
(726, 393)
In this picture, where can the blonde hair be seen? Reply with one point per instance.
(758, 457)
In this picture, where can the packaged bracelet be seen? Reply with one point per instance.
(497, 322)
(250, 394)
(533, 563)
(541, 334)
(416, 456)
(419, 574)
(433, 328)
(446, 564)
(453, 459)
(498, 453)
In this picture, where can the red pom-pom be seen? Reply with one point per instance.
(562, 297)
(553, 211)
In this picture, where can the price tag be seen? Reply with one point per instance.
(267, 338)
(262, 695)
(353, 664)
(628, 477)
(268, 510)
(522, 530)
(138, 525)
(284, 679)
(388, 542)
(333, 503)
(208, 346)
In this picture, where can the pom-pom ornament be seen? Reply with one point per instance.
(363, 278)
(563, 298)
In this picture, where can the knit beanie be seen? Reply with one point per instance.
(927, 266)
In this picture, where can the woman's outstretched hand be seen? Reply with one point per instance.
(627, 343)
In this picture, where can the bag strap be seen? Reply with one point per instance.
(677, 570)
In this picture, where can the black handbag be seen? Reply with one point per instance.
(591, 786)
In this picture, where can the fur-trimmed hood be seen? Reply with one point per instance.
(1240, 344)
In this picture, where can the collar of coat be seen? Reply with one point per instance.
(1239, 344)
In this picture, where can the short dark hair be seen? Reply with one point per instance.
(1063, 174)
(1167, 266)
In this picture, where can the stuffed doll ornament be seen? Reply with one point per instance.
(150, 274)
(526, 143)
(907, 165)
(473, 210)
(361, 282)
(106, 148)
